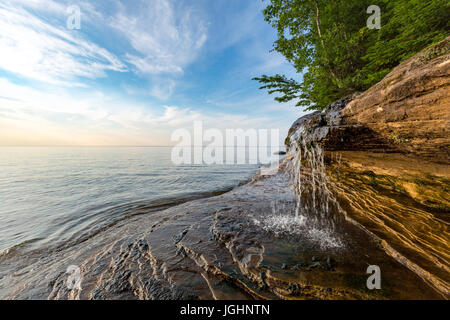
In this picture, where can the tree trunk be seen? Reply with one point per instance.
(319, 32)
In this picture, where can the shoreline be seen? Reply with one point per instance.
(150, 206)
(212, 248)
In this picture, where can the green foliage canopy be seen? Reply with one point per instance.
(329, 44)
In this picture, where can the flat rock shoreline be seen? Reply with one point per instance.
(243, 244)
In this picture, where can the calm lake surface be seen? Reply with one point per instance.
(54, 195)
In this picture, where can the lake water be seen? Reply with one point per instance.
(55, 196)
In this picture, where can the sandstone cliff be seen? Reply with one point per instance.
(407, 112)
(387, 153)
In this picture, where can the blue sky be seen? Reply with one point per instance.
(135, 71)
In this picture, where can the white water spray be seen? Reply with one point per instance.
(307, 173)
(314, 215)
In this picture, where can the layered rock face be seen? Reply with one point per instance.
(410, 108)
(387, 154)
(407, 112)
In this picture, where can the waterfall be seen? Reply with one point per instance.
(307, 174)
(312, 212)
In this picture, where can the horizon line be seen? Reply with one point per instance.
(121, 146)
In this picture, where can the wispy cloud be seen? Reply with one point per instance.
(146, 67)
(165, 35)
(33, 117)
(32, 47)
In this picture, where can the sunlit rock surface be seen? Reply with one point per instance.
(407, 112)
(405, 203)
(410, 107)
(387, 159)
(245, 244)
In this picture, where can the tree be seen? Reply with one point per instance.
(329, 43)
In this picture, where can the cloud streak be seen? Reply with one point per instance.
(98, 119)
(133, 73)
(33, 48)
(166, 36)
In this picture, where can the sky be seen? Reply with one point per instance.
(134, 71)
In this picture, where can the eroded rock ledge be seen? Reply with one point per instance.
(245, 244)
(407, 112)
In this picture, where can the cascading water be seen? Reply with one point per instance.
(314, 212)
(308, 176)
